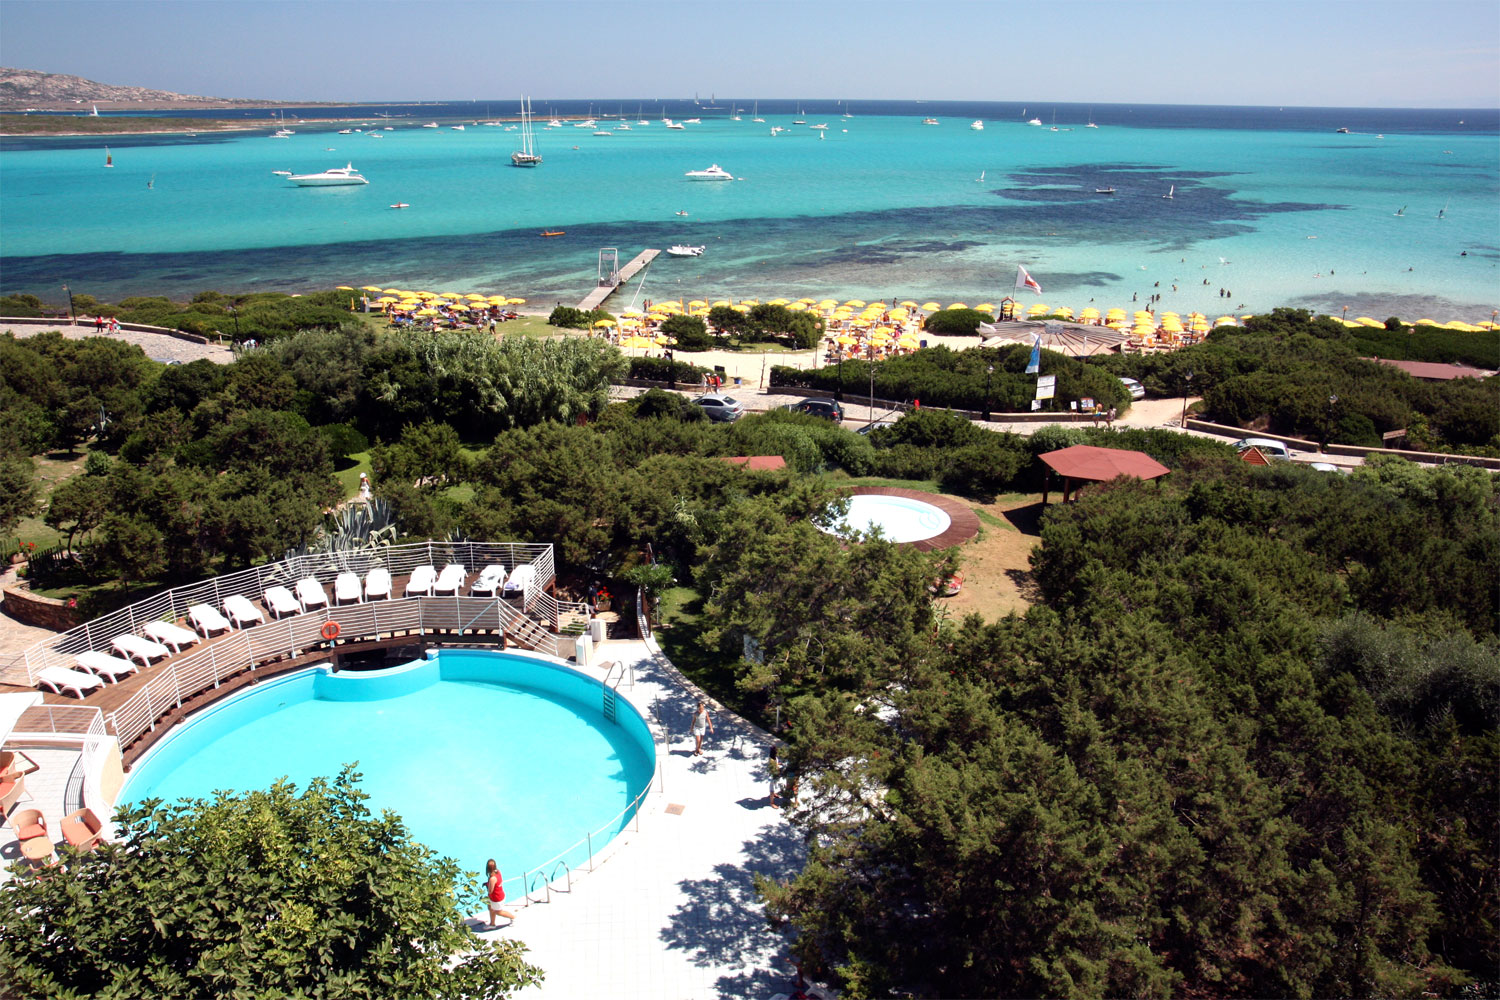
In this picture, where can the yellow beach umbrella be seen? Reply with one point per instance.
(1368, 321)
(777, 302)
(386, 299)
(426, 295)
(344, 288)
(473, 297)
(371, 288)
(931, 306)
(986, 307)
(630, 311)
(604, 322)
(1089, 313)
(908, 303)
(909, 341)
(429, 311)
(1116, 311)
(1063, 311)
(843, 339)
(856, 303)
(1038, 309)
(798, 307)
(697, 303)
(515, 302)
(721, 304)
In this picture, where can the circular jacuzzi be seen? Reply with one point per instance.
(482, 754)
(905, 516)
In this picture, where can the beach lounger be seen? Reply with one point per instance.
(489, 580)
(346, 589)
(280, 602)
(169, 634)
(520, 578)
(241, 611)
(310, 593)
(378, 583)
(110, 668)
(450, 580)
(61, 679)
(206, 620)
(421, 581)
(133, 647)
(82, 829)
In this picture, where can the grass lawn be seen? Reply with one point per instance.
(51, 469)
(680, 632)
(841, 478)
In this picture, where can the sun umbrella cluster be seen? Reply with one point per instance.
(450, 310)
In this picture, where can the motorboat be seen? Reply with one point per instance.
(346, 131)
(282, 173)
(604, 132)
(693, 121)
(682, 250)
(977, 125)
(821, 126)
(622, 127)
(282, 133)
(401, 204)
(375, 135)
(431, 125)
(554, 123)
(1108, 190)
(1341, 131)
(1034, 121)
(336, 177)
(713, 173)
(672, 124)
(553, 232)
(456, 128)
(929, 121)
(590, 123)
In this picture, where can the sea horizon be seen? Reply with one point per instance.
(1271, 205)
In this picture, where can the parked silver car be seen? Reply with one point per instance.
(718, 406)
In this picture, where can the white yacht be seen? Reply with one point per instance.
(682, 250)
(1034, 121)
(589, 123)
(456, 128)
(672, 124)
(713, 173)
(526, 156)
(821, 126)
(977, 125)
(929, 121)
(336, 177)
(693, 121)
(604, 132)
(431, 125)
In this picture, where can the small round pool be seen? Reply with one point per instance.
(900, 519)
(482, 754)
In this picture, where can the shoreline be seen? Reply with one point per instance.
(221, 126)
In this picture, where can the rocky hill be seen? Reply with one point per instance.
(27, 88)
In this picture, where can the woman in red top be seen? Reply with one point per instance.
(495, 891)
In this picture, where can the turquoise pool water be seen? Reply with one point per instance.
(900, 519)
(482, 754)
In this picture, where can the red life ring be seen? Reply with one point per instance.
(330, 630)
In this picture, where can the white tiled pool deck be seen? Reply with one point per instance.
(673, 911)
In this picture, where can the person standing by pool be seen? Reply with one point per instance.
(701, 724)
(495, 892)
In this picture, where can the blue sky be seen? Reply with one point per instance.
(1269, 52)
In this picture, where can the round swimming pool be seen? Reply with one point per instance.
(482, 754)
(900, 519)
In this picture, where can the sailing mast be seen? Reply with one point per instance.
(527, 155)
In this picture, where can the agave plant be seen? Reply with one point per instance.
(353, 530)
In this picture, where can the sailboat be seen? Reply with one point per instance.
(151, 183)
(95, 112)
(980, 178)
(1401, 211)
(527, 155)
(109, 160)
(1170, 191)
(1443, 211)
(755, 115)
(1091, 120)
(799, 120)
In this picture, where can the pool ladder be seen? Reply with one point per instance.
(611, 704)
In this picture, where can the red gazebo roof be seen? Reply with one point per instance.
(1100, 465)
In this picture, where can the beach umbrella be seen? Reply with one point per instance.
(426, 295)
(749, 302)
(898, 314)
(697, 303)
(1368, 321)
(1115, 311)
(721, 304)
(632, 311)
(372, 288)
(908, 341)
(798, 306)
(1064, 312)
(1039, 309)
(828, 303)
(515, 302)
(344, 288)
(472, 297)
(605, 322)
(958, 305)
(908, 303)
(777, 302)
(392, 291)
(856, 303)
(843, 339)
(429, 311)
(986, 307)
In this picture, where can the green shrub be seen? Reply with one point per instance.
(576, 319)
(20, 305)
(957, 322)
(666, 369)
(660, 403)
(690, 331)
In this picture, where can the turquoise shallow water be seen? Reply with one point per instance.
(883, 206)
(475, 768)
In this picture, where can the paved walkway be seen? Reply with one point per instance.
(158, 346)
(673, 911)
(15, 638)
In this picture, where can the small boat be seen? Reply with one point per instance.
(929, 121)
(282, 133)
(980, 178)
(588, 123)
(1034, 121)
(713, 173)
(553, 232)
(456, 128)
(282, 173)
(1341, 131)
(1170, 192)
(401, 204)
(431, 125)
(346, 131)
(375, 135)
(388, 128)
(799, 121)
(109, 160)
(682, 213)
(821, 126)
(95, 113)
(693, 121)
(676, 125)
(776, 128)
(622, 127)
(603, 132)
(755, 114)
(1106, 190)
(682, 250)
(554, 123)
(335, 177)
(977, 125)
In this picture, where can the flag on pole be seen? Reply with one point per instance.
(1034, 366)
(1024, 280)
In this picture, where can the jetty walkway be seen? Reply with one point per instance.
(596, 298)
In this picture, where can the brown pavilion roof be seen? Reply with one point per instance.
(1100, 465)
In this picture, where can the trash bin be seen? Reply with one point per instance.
(924, 343)
(738, 380)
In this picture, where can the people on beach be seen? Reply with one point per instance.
(701, 724)
(495, 893)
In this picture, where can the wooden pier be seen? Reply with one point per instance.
(608, 283)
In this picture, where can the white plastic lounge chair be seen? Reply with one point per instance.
(422, 580)
(206, 620)
(241, 611)
(310, 593)
(110, 668)
(377, 583)
(281, 603)
(520, 578)
(169, 634)
(61, 679)
(489, 580)
(450, 580)
(133, 647)
(346, 589)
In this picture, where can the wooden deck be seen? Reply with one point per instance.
(596, 298)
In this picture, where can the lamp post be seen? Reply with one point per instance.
(872, 384)
(989, 377)
(236, 314)
(1187, 390)
(838, 354)
(72, 315)
(1346, 314)
(1332, 402)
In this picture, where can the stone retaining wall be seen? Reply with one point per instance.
(43, 612)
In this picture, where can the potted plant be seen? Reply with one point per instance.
(603, 599)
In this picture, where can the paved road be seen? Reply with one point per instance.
(158, 346)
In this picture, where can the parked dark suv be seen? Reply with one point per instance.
(828, 409)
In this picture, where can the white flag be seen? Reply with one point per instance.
(1024, 280)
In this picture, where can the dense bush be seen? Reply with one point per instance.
(690, 332)
(576, 319)
(940, 377)
(21, 305)
(959, 322)
(660, 403)
(666, 369)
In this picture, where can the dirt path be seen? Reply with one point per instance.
(158, 346)
(997, 565)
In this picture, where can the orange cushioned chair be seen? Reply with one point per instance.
(29, 824)
(83, 830)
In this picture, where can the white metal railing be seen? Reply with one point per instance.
(72, 724)
(172, 605)
(198, 670)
